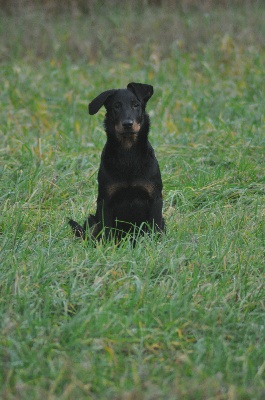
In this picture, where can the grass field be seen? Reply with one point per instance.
(178, 318)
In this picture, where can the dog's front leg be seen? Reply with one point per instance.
(156, 219)
(105, 215)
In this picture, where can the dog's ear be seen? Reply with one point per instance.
(99, 101)
(142, 91)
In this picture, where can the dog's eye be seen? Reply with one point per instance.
(116, 106)
(135, 105)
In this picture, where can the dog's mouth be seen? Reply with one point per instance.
(127, 135)
(127, 131)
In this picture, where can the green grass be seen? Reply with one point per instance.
(178, 318)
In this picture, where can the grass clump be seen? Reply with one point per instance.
(182, 317)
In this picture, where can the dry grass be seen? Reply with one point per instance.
(112, 33)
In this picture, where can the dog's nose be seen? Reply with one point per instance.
(127, 123)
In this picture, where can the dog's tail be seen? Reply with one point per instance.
(77, 229)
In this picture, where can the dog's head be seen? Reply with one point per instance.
(125, 109)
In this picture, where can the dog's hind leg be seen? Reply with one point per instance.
(77, 229)
(92, 227)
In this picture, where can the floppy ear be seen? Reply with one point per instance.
(98, 101)
(142, 91)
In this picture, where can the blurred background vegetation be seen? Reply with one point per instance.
(92, 30)
(88, 6)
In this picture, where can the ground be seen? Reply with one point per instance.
(177, 317)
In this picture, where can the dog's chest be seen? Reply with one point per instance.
(128, 177)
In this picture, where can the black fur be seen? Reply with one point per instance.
(129, 179)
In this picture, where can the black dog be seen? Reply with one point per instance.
(129, 179)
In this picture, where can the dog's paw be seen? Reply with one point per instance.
(76, 228)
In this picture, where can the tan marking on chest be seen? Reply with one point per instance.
(115, 187)
(146, 186)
